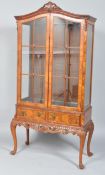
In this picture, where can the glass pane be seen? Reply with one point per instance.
(25, 63)
(26, 33)
(33, 60)
(58, 91)
(27, 91)
(39, 62)
(88, 65)
(40, 32)
(39, 90)
(66, 54)
(25, 87)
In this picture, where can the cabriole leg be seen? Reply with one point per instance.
(82, 142)
(13, 131)
(91, 129)
(27, 135)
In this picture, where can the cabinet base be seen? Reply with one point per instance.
(54, 128)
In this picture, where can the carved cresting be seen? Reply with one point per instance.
(50, 6)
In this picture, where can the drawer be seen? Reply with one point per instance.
(63, 118)
(32, 115)
(72, 120)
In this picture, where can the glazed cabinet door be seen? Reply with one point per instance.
(34, 61)
(65, 51)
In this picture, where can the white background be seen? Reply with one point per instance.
(49, 154)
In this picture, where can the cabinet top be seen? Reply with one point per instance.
(51, 7)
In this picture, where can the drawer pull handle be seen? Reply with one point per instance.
(23, 113)
(39, 114)
(53, 116)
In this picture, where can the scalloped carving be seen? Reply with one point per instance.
(54, 128)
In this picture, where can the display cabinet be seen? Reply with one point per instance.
(54, 74)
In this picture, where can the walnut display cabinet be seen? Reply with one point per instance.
(54, 74)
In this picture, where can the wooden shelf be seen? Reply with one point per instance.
(35, 75)
(34, 46)
(44, 53)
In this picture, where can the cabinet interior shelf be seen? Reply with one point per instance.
(54, 52)
(41, 46)
(54, 76)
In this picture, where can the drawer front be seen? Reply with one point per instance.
(73, 120)
(32, 115)
(63, 118)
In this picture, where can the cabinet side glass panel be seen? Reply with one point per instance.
(66, 58)
(88, 64)
(33, 60)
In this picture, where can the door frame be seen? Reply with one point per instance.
(19, 62)
(55, 107)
